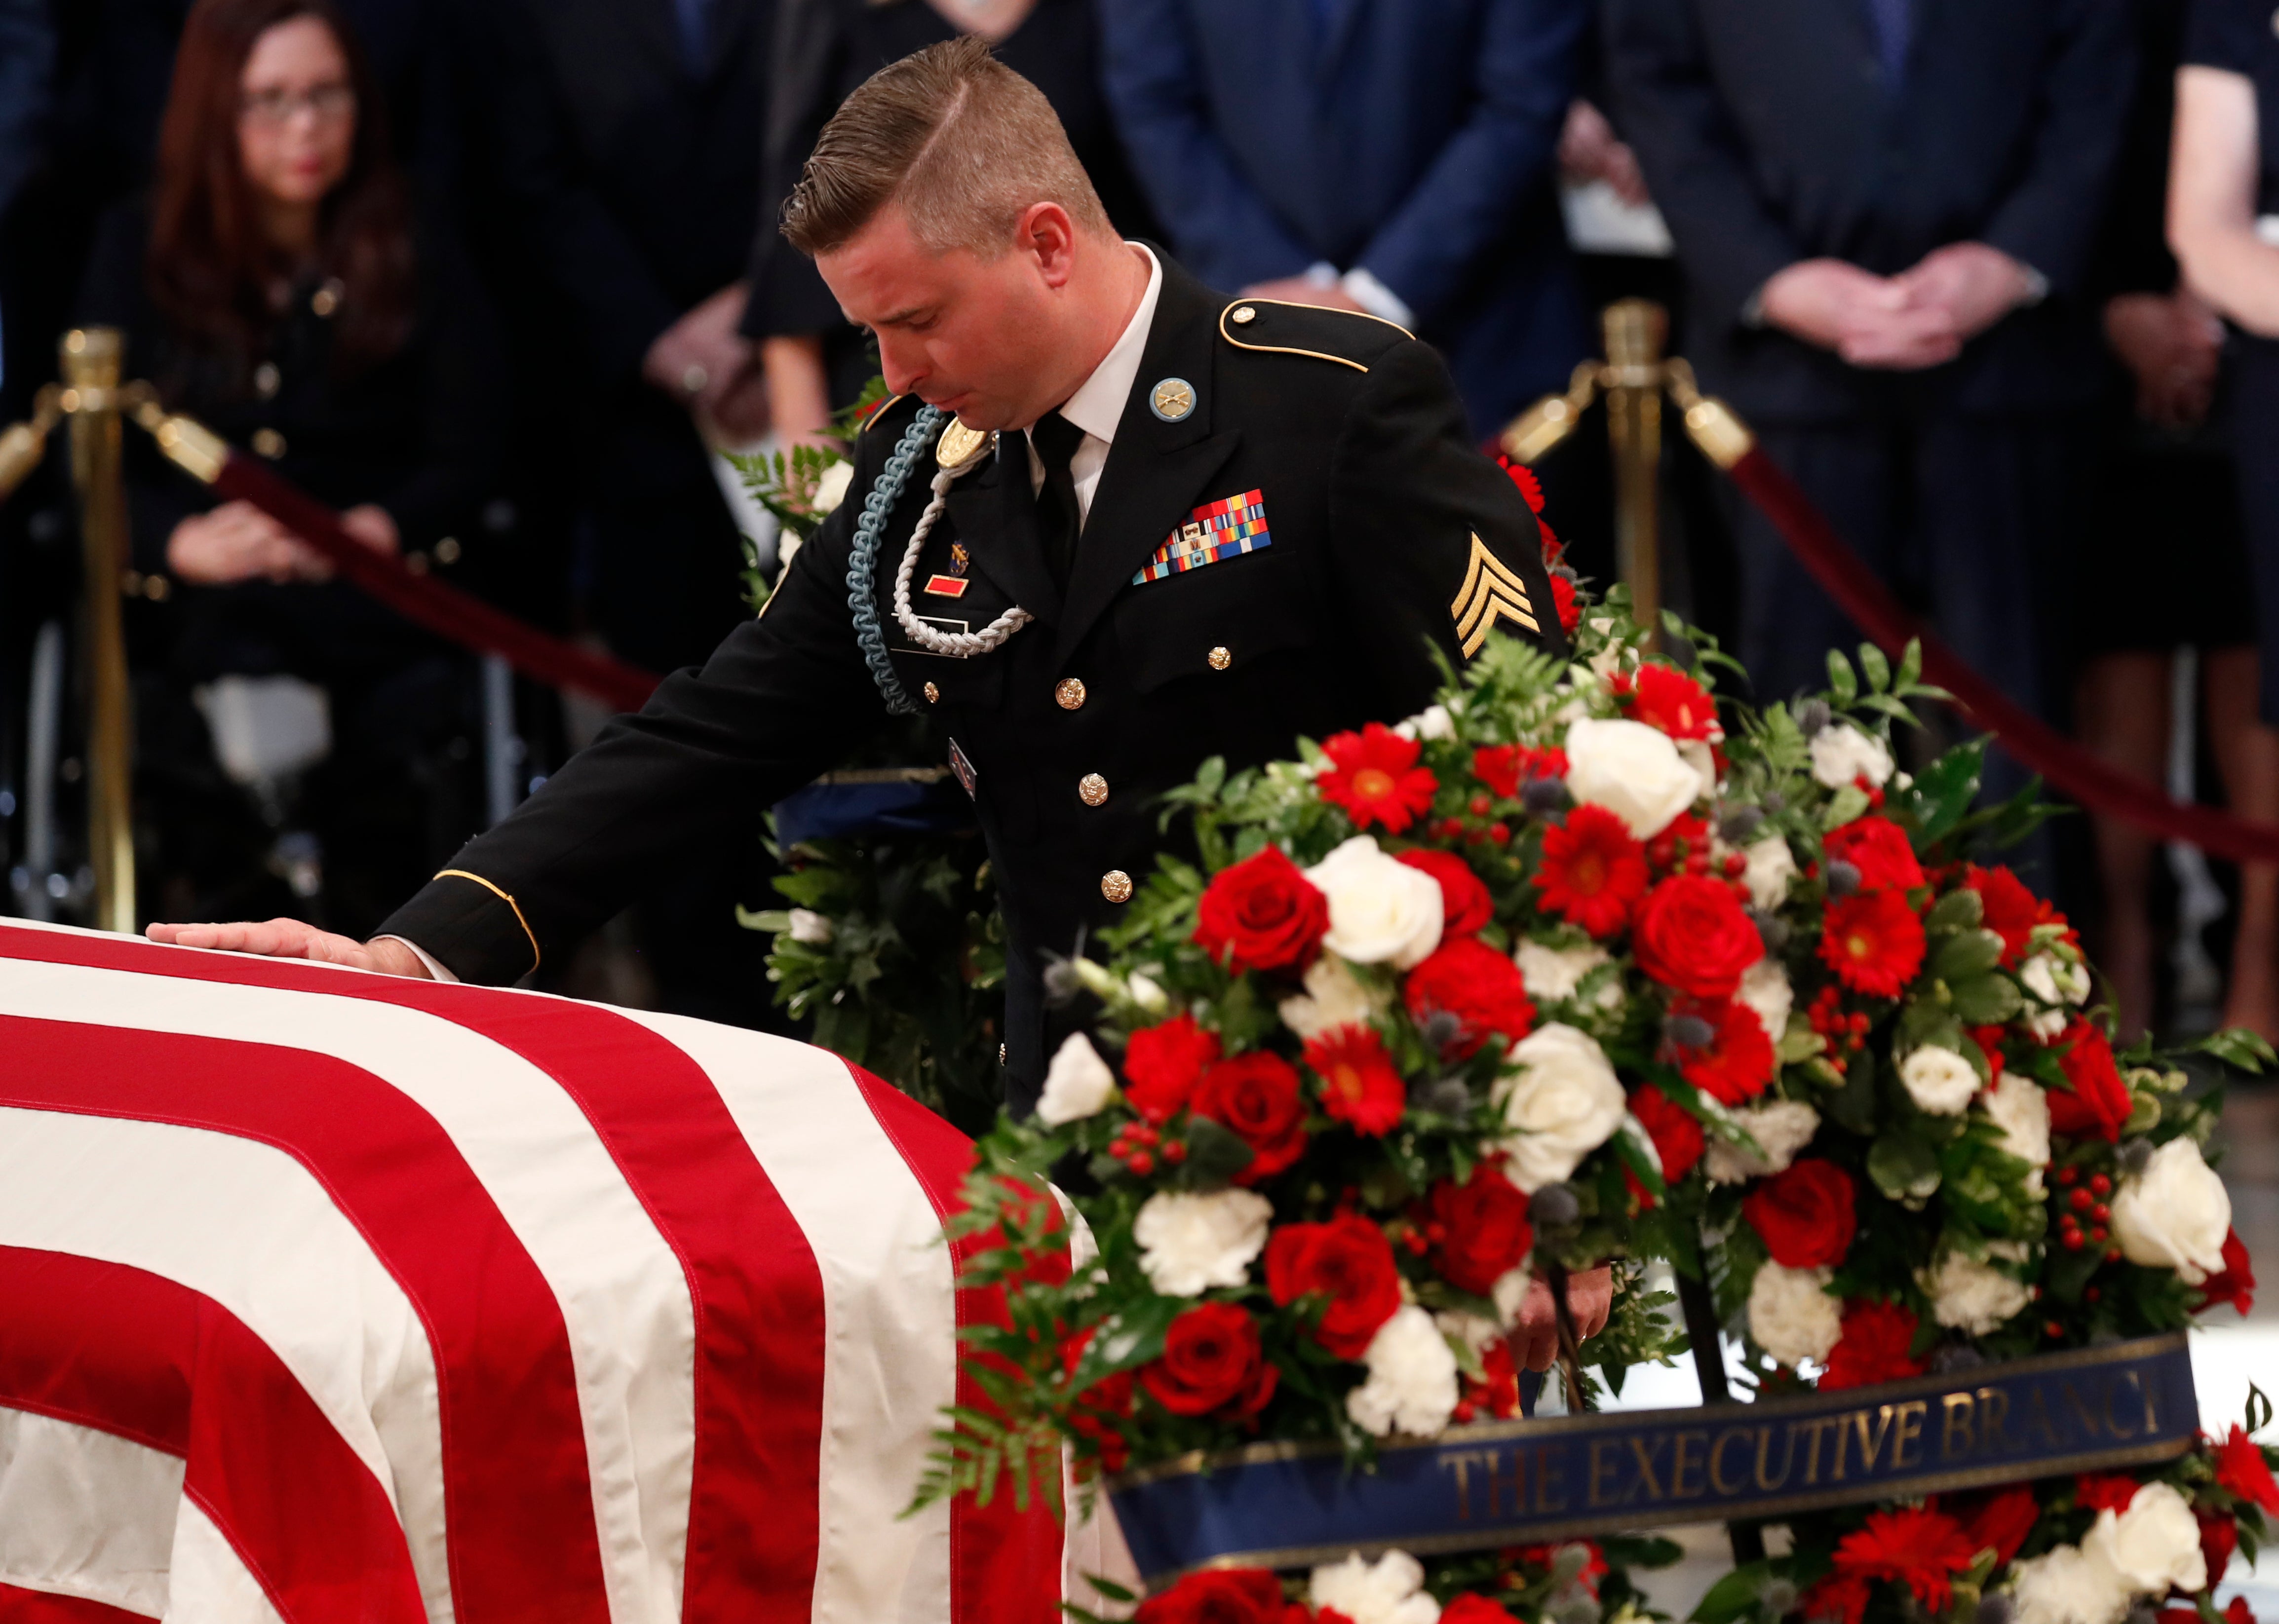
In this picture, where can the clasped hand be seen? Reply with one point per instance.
(1919, 319)
(237, 542)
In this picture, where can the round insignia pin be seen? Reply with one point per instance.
(1172, 399)
(960, 447)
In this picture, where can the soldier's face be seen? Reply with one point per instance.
(982, 338)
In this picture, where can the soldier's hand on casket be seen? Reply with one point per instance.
(1590, 1298)
(290, 938)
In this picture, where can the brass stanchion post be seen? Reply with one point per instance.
(91, 364)
(1635, 330)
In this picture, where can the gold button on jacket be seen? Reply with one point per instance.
(1069, 693)
(1092, 789)
(1115, 886)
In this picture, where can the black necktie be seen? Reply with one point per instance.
(1057, 439)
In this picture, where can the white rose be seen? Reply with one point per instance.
(2017, 1106)
(816, 929)
(1841, 754)
(1697, 755)
(1145, 993)
(1552, 974)
(1381, 910)
(830, 489)
(2174, 1215)
(1791, 1316)
(1412, 1378)
(1631, 769)
(1940, 1081)
(1971, 1296)
(2155, 1544)
(1390, 1590)
(1333, 997)
(1191, 1242)
(2054, 980)
(1772, 866)
(1781, 1128)
(1765, 989)
(2069, 1585)
(1432, 721)
(1560, 1097)
(1077, 1083)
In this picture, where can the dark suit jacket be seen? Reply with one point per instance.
(1377, 506)
(1770, 135)
(1414, 139)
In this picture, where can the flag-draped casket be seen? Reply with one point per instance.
(330, 1295)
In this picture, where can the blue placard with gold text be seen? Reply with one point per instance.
(1530, 1482)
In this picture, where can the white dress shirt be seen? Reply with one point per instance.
(1097, 406)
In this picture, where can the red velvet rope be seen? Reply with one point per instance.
(443, 609)
(2097, 784)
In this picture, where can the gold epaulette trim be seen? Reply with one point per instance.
(878, 412)
(1287, 349)
(503, 897)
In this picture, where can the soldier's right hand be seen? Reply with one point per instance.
(290, 938)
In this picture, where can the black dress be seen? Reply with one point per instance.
(414, 434)
(826, 48)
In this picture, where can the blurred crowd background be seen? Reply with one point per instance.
(499, 280)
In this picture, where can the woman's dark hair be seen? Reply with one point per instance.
(211, 267)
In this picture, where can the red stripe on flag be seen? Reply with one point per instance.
(519, 1509)
(1004, 1564)
(130, 1353)
(19, 1605)
(753, 1521)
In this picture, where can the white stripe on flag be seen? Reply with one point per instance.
(890, 1312)
(85, 1513)
(209, 1582)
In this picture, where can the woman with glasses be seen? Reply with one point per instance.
(274, 286)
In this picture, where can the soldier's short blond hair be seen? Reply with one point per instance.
(962, 144)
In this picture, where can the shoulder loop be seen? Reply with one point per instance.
(1226, 315)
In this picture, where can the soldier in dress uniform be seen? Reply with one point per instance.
(1113, 523)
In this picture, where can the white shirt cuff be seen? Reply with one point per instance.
(1375, 298)
(434, 967)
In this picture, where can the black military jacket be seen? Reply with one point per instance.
(1336, 525)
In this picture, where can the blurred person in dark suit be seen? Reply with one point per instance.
(28, 62)
(275, 285)
(824, 48)
(1391, 157)
(1884, 210)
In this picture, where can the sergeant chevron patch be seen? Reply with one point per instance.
(1491, 589)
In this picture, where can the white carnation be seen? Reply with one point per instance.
(1077, 1083)
(1334, 996)
(2174, 1215)
(1475, 1331)
(1432, 721)
(1190, 1243)
(2055, 981)
(1633, 770)
(1412, 1378)
(1765, 989)
(1780, 1127)
(1772, 867)
(1841, 754)
(1552, 974)
(830, 489)
(1939, 1080)
(816, 929)
(1560, 1100)
(2155, 1544)
(1390, 1590)
(1971, 1296)
(1791, 1314)
(1381, 910)
(2069, 1585)
(1509, 1294)
(2022, 1111)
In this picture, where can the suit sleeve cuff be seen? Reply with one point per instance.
(1378, 300)
(437, 971)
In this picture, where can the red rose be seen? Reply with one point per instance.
(1481, 987)
(1162, 1064)
(1347, 1260)
(1737, 1064)
(1374, 775)
(1505, 769)
(1359, 1085)
(2104, 1491)
(1665, 697)
(1226, 1596)
(1692, 935)
(2002, 1520)
(1879, 849)
(2219, 1538)
(1212, 1359)
(2240, 1467)
(1465, 905)
(1874, 942)
(1469, 1609)
(1873, 1348)
(2008, 909)
(1593, 871)
(1482, 1227)
(2098, 1103)
(1675, 1131)
(1256, 1096)
(1263, 912)
(1109, 1396)
(2237, 1284)
(1806, 1215)
(1912, 1545)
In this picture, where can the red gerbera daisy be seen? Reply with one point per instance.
(1873, 1348)
(1874, 942)
(1594, 871)
(1570, 606)
(2009, 910)
(1912, 1545)
(1359, 1085)
(2240, 1467)
(1523, 476)
(1662, 697)
(1374, 775)
(1505, 768)
(1879, 849)
(1737, 1063)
